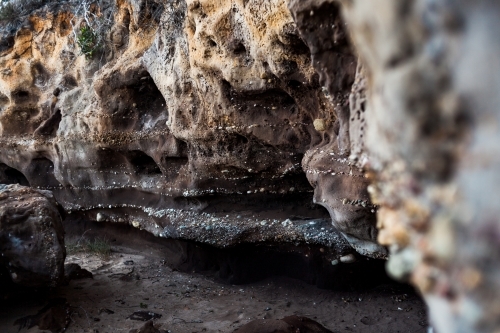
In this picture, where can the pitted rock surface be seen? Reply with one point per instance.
(191, 115)
(31, 236)
(432, 145)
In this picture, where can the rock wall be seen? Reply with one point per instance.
(432, 141)
(194, 120)
(222, 121)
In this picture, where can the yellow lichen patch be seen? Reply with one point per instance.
(63, 23)
(38, 23)
(22, 46)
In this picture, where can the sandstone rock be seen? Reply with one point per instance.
(339, 182)
(190, 112)
(432, 143)
(32, 236)
(54, 317)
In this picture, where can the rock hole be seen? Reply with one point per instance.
(143, 164)
(109, 160)
(20, 96)
(6, 43)
(126, 18)
(240, 139)
(294, 84)
(212, 43)
(50, 126)
(363, 106)
(10, 175)
(172, 166)
(148, 99)
(64, 26)
(40, 172)
(40, 74)
(289, 67)
(132, 99)
(69, 82)
(238, 48)
(4, 102)
(245, 263)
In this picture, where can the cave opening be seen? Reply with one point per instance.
(133, 101)
(10, 175)
(243, 263)
(40, 172)
(142, 163)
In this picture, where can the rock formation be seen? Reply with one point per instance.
(31, 236)
(432, 141)
(188, 120)
(289, 324)
(221, 122)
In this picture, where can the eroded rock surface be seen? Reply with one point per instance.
(194, 120)
(340, 183)
(432, 141)
(31, 236)
(290, 324)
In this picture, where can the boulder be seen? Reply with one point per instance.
(31, 236)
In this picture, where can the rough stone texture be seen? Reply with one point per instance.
(290, 324)
(207, 122)
(339, 182)
(432, 142)
(31, 236)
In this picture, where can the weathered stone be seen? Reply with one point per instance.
(432, 144)
(198, 115)
(290, 324)
(31, 236)
(75, 272)
(339, 182)
(148, 327)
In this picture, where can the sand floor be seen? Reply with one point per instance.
(130, 280)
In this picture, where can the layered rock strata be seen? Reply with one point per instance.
(191, 120)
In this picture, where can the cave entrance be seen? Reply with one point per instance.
(10, 175)
(142, 163)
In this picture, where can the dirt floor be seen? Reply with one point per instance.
(139, 280)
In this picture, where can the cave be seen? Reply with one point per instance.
(219, 164)
(10, 175)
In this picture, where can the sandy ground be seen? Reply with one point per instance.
(130, 281)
